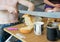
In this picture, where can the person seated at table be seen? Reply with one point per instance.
(9, 15)
(52, 6)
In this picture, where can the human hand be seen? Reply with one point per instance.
(12, 10)
(57, 5)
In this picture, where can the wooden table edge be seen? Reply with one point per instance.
(14, 35)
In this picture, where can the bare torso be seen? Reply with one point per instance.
(5, 16)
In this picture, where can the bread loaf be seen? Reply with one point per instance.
(26, 29)
(29, 20)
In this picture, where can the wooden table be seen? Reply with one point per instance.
(31, 37)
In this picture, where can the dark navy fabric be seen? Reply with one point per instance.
(47, 6)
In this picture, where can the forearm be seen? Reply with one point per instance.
(27, 4)
(49, 3)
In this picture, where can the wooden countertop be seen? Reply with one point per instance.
(31, 37)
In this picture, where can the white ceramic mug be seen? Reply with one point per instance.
(38, 28)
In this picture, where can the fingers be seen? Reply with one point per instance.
(57, 5)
